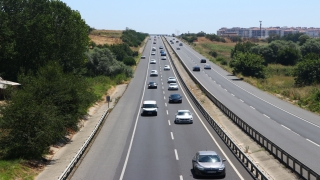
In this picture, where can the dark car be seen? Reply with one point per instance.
(152, 85)
(196, 68)
(175, 98)
(203, 61)
(208, 163)
(163, 54)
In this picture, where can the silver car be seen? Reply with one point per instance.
(166, 67)
(173, 86)
(208, 163)
(172, 80)
(183, 116)
(154, 73)
(153, 61)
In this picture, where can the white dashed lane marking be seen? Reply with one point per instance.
(176, 153)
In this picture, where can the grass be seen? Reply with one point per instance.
(107, 33)
(16, 169)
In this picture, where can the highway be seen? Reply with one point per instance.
(295, 130)
(131, 146)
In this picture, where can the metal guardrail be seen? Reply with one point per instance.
(285, 158)
(77, 157)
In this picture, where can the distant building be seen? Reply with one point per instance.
(255, 32)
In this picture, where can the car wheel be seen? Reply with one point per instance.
(195, 175)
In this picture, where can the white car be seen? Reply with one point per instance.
(153, 53)
(166, 67)
(183, 116)
(163, 58)
(172, 80)
(153, 61)
(154, 73)
(173, 86)
(154, 48)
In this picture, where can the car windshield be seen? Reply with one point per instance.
(173, 84)
(151, 82)
(149, 106)
(171, 78)
(209, 158)
(175, 95)
(183, 113)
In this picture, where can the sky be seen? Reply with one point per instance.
(183, 16)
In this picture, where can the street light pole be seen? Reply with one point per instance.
(260, 30)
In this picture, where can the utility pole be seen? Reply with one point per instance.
(260, 30)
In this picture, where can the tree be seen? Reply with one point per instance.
(103, 62)
(307, 71)
(248, 65)
(242, 47)
(266, 52)
(310, 46)
(303, 39)
(39, 114)
(36, 31)
(288, 56)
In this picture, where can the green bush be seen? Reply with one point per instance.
(248, 65)
(213, 54)
(129, 61)
(40, 113)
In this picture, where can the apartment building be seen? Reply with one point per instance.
(255, 32)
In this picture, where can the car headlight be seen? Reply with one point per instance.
(221, 168)
(199, 167)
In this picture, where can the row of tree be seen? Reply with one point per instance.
(304, 54)
(45, 47)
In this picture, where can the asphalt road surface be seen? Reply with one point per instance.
(295, 130)
(131, 146)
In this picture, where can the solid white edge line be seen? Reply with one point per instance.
(134, 129)
(225, 155)
(172, 136)
(313, 142)
(176, 153)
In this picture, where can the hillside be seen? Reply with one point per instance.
(106, 36)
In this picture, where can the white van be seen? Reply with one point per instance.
(149, 107)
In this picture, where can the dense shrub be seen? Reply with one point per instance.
(213, 54)
(40, 113)
(129, 61)
(248, 65)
